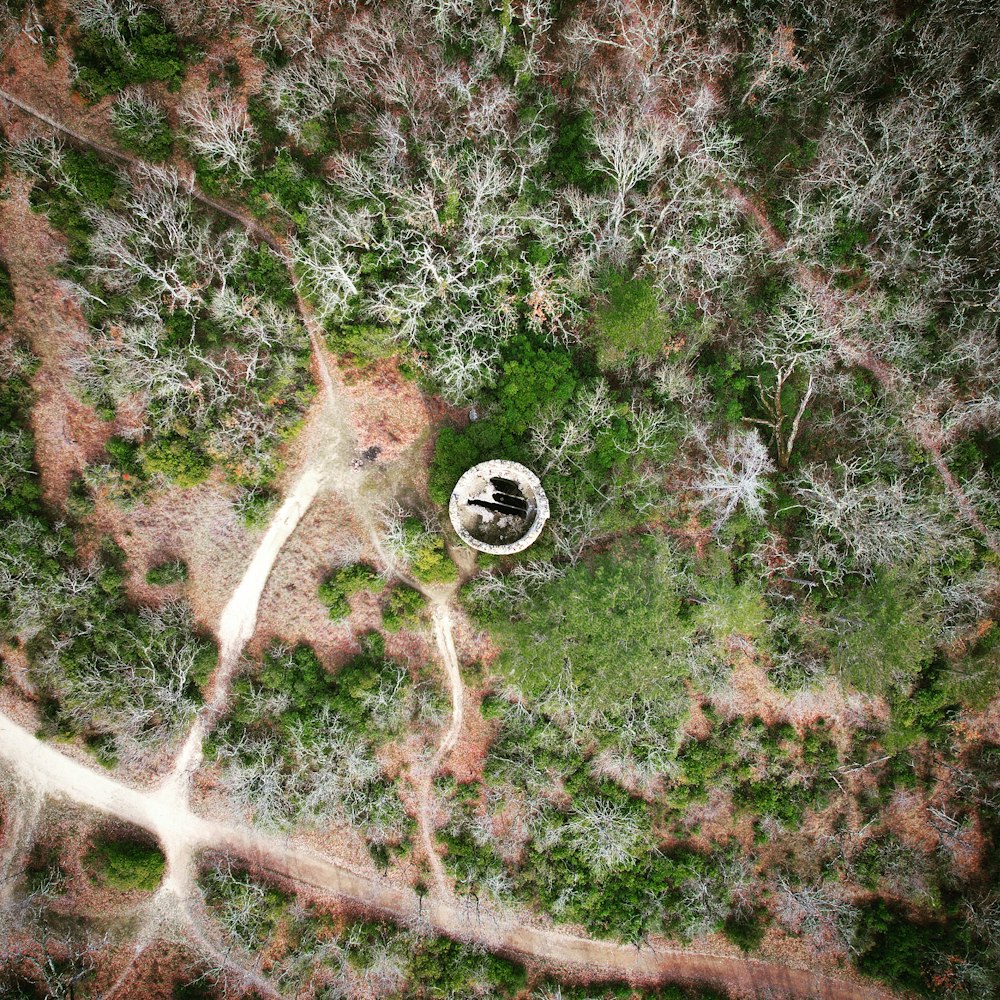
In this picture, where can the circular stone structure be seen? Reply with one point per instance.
(498, 507)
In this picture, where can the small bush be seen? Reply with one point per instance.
(429, 560)
(127, 865)
(629, 320)
(174, 571)
(885, 638)
(341, 583)
(178, 460)
(366, 343)
(571, 156)
(6, 292)
(141, 126)
(747, 931)
(403, 609)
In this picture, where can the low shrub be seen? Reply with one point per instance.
(342, 583)
(6, 292)
(403, 608)
(141, 126)
(166, 573)
(150, 51)
(127, 864)
(629, 320)
(429, 560)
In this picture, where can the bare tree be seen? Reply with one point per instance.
(138, 114)
(158, 242)
(221, 131)
(862, 521)
(109, 18)
(733, 474)
(630, 153)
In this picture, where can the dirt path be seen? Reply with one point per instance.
(424, 776)
(445, 639)
(257, 230)
(182, 834)
(165, 812)
(236, 627)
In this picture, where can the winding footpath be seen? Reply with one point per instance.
(41, 771)
(183, 834)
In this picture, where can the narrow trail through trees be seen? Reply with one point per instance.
(182, 834)
(445, 641)
(166, 813)
(831, 302)
(236, 627)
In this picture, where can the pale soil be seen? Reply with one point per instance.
(424, 777)
(197, 525)
(166, 812)
(290, 608)
(390, 411)
(236, 626)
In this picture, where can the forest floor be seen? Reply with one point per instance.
(328, 465)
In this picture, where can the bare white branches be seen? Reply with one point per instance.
(138, 692)
(734, 474)
(157, 248)
(220, 130)
(630, 154)
(139, 116)
(109, 18)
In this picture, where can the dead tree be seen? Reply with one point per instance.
(783, 434)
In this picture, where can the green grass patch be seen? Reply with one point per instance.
(611, 628)
(166, 573)
(403, 609)
(6, 293)
(342, 583)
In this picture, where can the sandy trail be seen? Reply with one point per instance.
(166, 813)
(236, 627)
(182, 834)
(445, 641)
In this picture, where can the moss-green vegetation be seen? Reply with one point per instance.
(166, 573)
(426, 556)
(609, 628)
(141, 127)
(342, 583)
(403, 608)
(145, 49)
(6, 293)
(293, 713)
(127, 864)
(629, 319)
(885, 638)
(571, 156)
